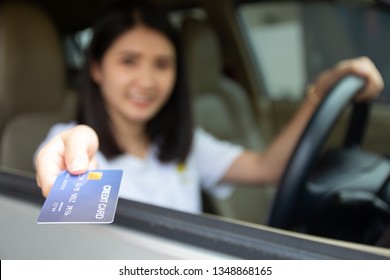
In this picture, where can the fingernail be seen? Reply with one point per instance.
(77, 164)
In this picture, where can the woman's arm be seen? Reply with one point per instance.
(268, 167)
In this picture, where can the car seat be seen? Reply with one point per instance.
(33, 94)
(221, 106)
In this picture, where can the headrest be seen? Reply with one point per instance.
(202, 54)
(32, 70)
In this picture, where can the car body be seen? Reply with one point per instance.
(264, 53)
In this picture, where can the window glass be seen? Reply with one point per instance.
(293, 41)
(276, 38)
(75, 46)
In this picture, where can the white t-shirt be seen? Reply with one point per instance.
(168, 184)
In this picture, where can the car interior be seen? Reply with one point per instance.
(246, 96)
(34, 94)
(34, 103)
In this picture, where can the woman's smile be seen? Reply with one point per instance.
(139, 100)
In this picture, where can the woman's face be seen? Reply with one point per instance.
(136, 75)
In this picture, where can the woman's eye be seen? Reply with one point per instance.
(164, 64)
(129, 61)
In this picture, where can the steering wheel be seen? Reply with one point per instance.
(348, 176)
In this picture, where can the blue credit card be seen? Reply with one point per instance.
(91, 197)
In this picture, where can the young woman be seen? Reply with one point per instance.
(135, 115)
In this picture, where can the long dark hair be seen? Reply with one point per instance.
(172, 127)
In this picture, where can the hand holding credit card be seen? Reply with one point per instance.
(91, 197)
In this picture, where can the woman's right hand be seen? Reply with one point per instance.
(73, 150)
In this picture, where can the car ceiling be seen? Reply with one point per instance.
(71, 15)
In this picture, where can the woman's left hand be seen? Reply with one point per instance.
(362, 67)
